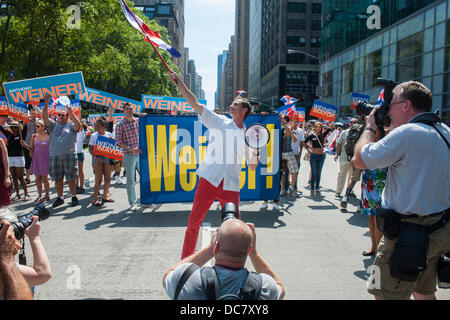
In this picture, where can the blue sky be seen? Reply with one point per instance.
(209, 25)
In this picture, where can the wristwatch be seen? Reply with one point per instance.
(371, 129)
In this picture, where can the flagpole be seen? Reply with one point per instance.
(146, 35)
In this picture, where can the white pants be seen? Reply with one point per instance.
(343, 175)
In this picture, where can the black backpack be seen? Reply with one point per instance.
(352, 138)
(250, 291)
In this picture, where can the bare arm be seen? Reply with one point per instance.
(75, 120)
(260, 265)
(186, 93)
(45, 111)
(41, 272)
(5, 160)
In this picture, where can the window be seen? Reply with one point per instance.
(372, 68)
(164, 9)
(293, 42)
(315, 42)
(316, 25)
(327, 84)
(296, 7)
(316, 8)
(410, 46)
(296, 24)
(347, 77)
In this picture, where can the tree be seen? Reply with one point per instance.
(37, 40)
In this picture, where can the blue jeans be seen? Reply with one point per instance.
(131, 163)
(316, 161)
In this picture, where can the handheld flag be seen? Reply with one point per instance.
(240, 93)
(150, 36)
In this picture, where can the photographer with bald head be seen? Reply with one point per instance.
(233, 242)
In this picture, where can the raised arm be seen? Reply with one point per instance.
(45, 111)
(186, 93)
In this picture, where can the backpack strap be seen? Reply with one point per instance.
(210, 283)
(184, 277)
(252, 288)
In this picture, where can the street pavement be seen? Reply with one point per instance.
(111, 253)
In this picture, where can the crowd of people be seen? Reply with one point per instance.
(55, 147)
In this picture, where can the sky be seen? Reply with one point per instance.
(209, 25)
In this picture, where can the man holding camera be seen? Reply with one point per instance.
(415, 200)
(233, 242)
(13, 285)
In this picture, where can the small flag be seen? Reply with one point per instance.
(284, 109)
(240, 93)
(149, 35)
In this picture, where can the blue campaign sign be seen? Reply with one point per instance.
(168, 103)
(173, 148)
(107, 99)
(35, 89)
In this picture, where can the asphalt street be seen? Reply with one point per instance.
(111, 253)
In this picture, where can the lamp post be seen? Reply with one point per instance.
(291, 51)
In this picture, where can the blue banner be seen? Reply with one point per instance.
(357, 98)
(106, 99)
(173, 148)
(35, 89)
(168, 103)
(323, 111)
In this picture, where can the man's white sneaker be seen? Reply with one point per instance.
(276, 207)
(134, 208)
(119, 180)
(264, 206)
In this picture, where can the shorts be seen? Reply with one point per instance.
(356, 174)
(80, 157)
(383, 285)
(64, 165)
(101, 159)
(17, 162)
(291, 161)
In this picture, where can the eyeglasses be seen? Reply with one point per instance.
(62, 115)
(392, 104)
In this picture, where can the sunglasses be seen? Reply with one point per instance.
(62, 115)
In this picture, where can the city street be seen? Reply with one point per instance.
(110, 253)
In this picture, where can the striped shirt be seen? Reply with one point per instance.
(127, 133)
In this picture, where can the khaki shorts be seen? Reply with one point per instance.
(391, 288)
(356, 174)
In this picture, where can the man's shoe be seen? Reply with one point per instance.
(74, 201)
(264, 206)
(58, 202)
(118, 180)
(344, 202)
(276, 207)
(134, 207)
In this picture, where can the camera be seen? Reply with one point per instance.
(229, 211)
(24, 220)
(381, 118)
(443, 271)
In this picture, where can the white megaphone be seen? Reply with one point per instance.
(64, 100)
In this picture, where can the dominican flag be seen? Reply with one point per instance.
(240, 93)
(284, 109)
(291, 112)
(149, 35)
(381, 97)
(288, 100)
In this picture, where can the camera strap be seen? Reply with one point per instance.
(22, 256)
(430, 119)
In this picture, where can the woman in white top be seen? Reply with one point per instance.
(81, 136)
(102, 166)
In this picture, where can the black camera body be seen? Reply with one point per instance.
(24, 220)
(381, 118)
(229, 211)
(443, 271)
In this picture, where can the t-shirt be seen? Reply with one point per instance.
(300, 138)
(230, 282)
(342, 139)
(317, 142)
(62, 139)
(80, 139)
(418, 177)
(94, 136)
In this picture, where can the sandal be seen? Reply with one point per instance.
(98, 204)
(38, 200)
(26, 198)
(107, 200)
(15, 198)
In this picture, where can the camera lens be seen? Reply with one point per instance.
(229, 211)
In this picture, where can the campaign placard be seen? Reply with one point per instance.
(174, 147)
(117, 117)
(106, 147)
(19, 111)
(168, 103)
(357, 98)
(323, 111)
(4, 109)
(33, 89)
(107, 99)
(302, 114)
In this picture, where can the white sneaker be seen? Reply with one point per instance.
(264, 206)
(276, 207)
(119, 180)
(134, 207)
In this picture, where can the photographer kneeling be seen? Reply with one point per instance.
(40, 273)
(414, 215)
(229, 279)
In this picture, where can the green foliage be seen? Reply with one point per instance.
(35, 41)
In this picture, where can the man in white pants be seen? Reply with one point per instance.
(344, 164)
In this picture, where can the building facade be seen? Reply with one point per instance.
(289, 41)
(170, 14)
(227, 82)
(241, 54)
(221, 59)
(416, 47)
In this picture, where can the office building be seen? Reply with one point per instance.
(413, 44)
(241, 53)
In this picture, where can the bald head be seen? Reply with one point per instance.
(234, 240)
